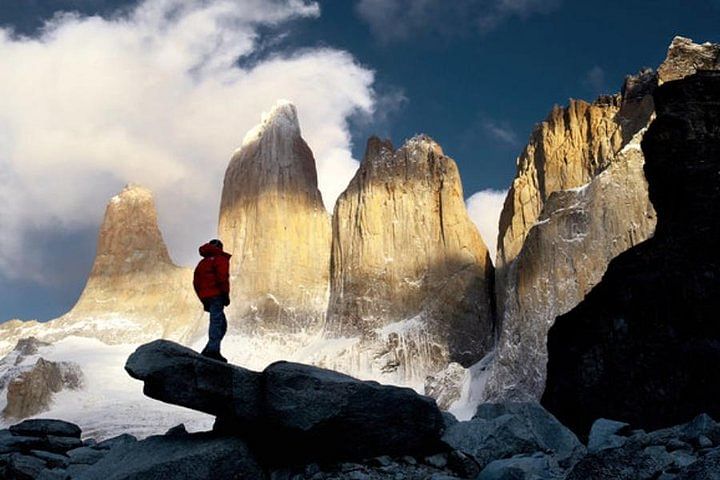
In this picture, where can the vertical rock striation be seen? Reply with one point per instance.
(643, 345)
(579, 200)
(410, 273)
(273, 221)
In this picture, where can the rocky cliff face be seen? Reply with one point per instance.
(641, 347)
(410, 272)
(273, 221)
(571, 210)
(134, 291)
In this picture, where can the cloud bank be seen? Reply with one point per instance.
(156, 96)
(484, 208)
(396, 20)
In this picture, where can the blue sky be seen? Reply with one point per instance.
(476, 76)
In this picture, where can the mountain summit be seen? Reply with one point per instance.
(272, 219)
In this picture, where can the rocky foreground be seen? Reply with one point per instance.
(295, 421)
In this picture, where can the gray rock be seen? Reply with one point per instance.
(62, 444)
(39, 427)
(439, 460)
(53, 460)
(632, 461)
(409, 460)
(503, 430)
(85, 455)
(90, 442)
(704, 442)
(24, 467)
(52, 474)
(118, 441)
(189, 457)
(706, 468)
(12, 443)
(682, 458)
(178, 375)
(523, 467)
(382, 461)
(463, 465)
(324, 414)
(675, 444)
(606, 434)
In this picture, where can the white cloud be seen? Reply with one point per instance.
(484, 208)
(595, 80)
(155, 97)
(392, 20)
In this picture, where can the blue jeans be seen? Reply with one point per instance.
(218, 324)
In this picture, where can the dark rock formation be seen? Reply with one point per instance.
(190, 457)
(643, 345)
(308, 411)
(42, 427)
(501, 431)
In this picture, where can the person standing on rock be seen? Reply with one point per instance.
(212, 285)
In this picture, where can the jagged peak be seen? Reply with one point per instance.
(423, 141)
(282, 116)
(132, 191)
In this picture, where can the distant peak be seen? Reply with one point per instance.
(282, 116)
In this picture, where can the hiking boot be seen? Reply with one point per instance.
(214, 356)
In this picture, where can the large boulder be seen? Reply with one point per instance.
(40, 427)
(323, 413)
(310, 411)
(640, 347)
(178, 375)
(199, 456)
(500, 431)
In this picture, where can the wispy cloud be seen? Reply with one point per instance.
(595, 80)
(156, 96)
(502, 133)
(397, 20)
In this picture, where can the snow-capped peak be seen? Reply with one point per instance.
(283, 117)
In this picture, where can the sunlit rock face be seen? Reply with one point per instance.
(274, 223)
(579, 199)
(134, 291)
(411, 276)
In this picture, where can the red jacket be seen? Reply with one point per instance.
(211, 276)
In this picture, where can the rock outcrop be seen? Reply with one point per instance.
(273, 221)
(411, 275)
(305, 411)
(579, 200)
(29, 381)
(32, 390)
(640, 347)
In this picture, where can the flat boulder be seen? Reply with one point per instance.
(40, 427)
(198, 456)
(328, 414)
(178, 375)
(307, 411)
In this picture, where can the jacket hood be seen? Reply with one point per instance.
(209, 250)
